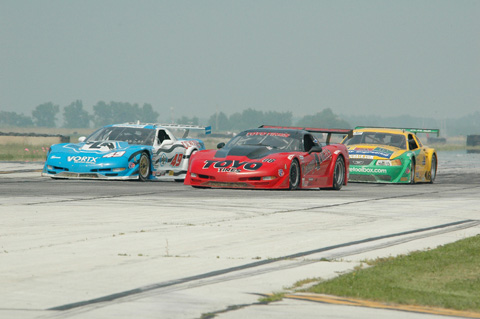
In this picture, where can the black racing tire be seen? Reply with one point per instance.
(433, 169)
(144, 167)
(294, 175)
(338, 173)
(412, 171)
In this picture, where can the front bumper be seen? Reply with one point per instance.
(379, 174)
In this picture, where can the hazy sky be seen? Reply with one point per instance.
(360, 57)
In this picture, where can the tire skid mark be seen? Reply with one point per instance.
(373, 200)
(211, 275)
(88, 198)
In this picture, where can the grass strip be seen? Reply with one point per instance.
(21, 152)
(445, 277)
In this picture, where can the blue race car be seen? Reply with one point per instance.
(126, 151)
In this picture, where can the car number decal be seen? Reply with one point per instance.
(177, 160)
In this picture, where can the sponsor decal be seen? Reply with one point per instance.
(82, 159)
(163, 159)
(232, 166)
(325, 155)
(268, 134)
(281, 172)
(368, 170)
(191, 143)
(318, 158)
(357, 162)
(361, 156)
(55, 157)
(290, 157)
(383, 150)
(380, 152)
(268, 160)
(131, 165)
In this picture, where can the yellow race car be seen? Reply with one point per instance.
(390, 155)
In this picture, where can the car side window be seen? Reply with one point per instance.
(412, 144)
(162, 136)
(308, 142)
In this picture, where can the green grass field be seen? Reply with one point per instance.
(445, 277)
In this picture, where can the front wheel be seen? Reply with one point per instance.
(433, 168)
(294, 175)
(412, 171)
(339, 174)
(144, 167)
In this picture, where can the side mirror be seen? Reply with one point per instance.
(220, 145)
(82, 139)
(315, 149)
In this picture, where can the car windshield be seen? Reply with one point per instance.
(278, 140)
(132, 135)
(396, 140)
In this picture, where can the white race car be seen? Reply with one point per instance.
(127, 151)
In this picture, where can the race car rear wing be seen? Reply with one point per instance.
(187, 128)
(328, 131)
(413, 130)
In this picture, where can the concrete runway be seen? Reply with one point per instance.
(98, 249)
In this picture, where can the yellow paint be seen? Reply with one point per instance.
(374, 304)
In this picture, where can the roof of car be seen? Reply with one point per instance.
(397, 130)
(382, 130)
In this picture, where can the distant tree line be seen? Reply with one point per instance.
(252, 118)
(75, 116)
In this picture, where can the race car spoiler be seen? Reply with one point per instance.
(413, 130)
(328, 131)
(208, 129)
(187, 128)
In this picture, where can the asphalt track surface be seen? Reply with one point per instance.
(104, 249)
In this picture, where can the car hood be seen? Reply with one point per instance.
(374, 151)
(93, 152)
(92, 147)
(249, 151)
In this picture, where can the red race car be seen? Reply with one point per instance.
(273, 157)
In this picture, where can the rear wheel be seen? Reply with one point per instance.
(294, 175)
(339, 174)
(433, 168)
(144, 167)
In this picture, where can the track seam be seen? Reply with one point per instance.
(152, 287)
